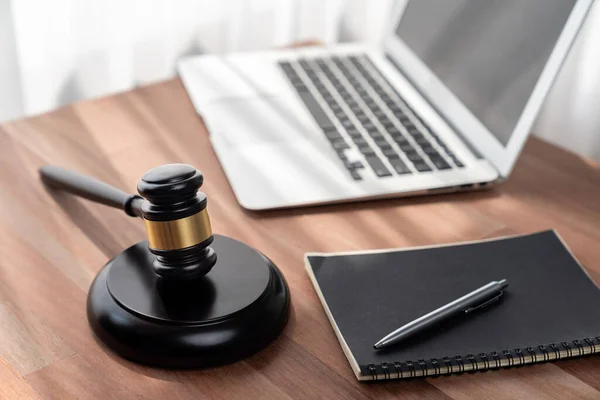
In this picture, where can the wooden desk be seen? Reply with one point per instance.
(51, 246)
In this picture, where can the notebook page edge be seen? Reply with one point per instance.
(345, 348)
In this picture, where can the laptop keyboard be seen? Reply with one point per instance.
(363, 117)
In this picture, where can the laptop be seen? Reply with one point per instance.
(444, 104)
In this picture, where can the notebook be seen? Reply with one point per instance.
(549, 311)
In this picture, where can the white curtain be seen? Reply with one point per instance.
(59, 51)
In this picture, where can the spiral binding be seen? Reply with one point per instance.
(484, 361)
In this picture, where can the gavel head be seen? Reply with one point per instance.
(177, 223)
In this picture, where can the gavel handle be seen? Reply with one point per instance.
(91, 189)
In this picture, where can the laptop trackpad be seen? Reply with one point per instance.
(268, 119)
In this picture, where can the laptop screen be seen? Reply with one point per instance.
(489, 53)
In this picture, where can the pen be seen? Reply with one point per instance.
(475, 300)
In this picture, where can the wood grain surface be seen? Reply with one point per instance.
(52, 245)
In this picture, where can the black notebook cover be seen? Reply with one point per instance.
(550, 310)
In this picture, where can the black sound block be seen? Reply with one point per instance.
(238, 308)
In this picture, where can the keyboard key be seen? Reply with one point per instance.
(355, 175)
(399, 166)
(443, 146)
(422, 140)
(399, 139)
(384, 145)
(415, 133)
(399, 113)
(375, 134)
(355, 165)
(304, 64)
(406, 147)
(315, 109)
(413, 130)
(366, 150)
(378, 167)
(353, 133)
(381, 142)
(300, 87)
(332, 135)
(421, 166)
(368, 125)
(390, 153)
(340, 145)
(414, 157)
(430, 151)
(404, 120)
(347, 124)
(360, 141)
(376, 86)
(353, 59)
(457, 162)
(440, 163)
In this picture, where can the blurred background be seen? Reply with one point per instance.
(60, 51)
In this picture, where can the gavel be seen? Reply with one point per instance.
(169, 301)
(173, 210)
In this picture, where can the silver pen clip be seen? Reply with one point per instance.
(485, 303)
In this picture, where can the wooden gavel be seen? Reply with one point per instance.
(173, 210)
